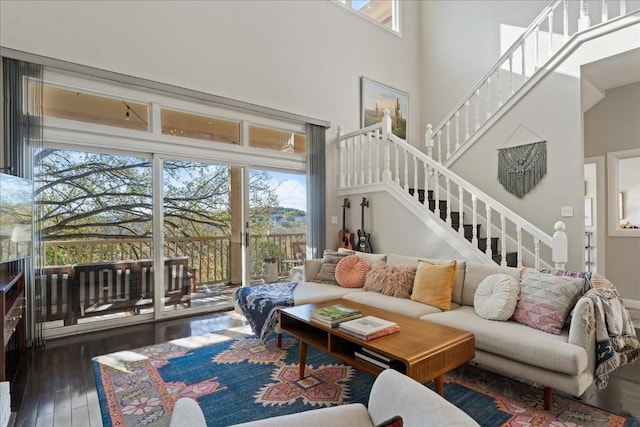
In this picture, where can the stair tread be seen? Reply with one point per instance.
(468, 228)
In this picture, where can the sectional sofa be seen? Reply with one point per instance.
(564, 361)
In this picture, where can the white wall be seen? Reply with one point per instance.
(397, 230)
(563, 185)
(613, 125)
(460, 42)
(304, 57)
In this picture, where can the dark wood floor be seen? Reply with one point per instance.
(54, 386)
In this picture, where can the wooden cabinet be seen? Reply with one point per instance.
(12, 305)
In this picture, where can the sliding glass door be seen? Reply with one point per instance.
(95, 221)
(201, 251)
(278, 224)
(154, 206)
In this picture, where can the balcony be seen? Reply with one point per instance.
(92, 279)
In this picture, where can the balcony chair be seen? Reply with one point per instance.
(55, 283)
(105, 287)
(177, 282)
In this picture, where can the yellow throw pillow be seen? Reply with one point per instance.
(433, 284)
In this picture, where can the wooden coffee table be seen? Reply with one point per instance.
(427, 350)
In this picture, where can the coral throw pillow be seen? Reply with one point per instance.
(433, 284)
(545, 300)
(393, 280)
(496, 297)
(351, 271)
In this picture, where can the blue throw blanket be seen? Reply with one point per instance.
(260, 305)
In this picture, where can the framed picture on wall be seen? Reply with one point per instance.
(375, 98)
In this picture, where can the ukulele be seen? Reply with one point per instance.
(364, 239)
(345, 238)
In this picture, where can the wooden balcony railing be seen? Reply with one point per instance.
(210, 256)
(95, 277)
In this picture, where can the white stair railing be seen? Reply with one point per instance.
(374, 156)
(558, 24)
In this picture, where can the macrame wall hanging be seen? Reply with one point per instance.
(521, 168)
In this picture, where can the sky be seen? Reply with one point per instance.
(291, 189)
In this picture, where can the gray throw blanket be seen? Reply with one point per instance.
(616, 340)
(260, 305)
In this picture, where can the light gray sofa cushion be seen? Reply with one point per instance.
(371, 258)
(397, 305)
(309, 292)
(513, 340)
(475, 273)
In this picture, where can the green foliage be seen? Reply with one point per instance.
(101, 196)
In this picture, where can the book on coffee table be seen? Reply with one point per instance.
(379, 360)
(333, 312)
(333, 315)
(369, 327)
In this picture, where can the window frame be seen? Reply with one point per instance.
(396, 26)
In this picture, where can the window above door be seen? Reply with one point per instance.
(383, 12)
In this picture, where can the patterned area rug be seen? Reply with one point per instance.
(242, 379)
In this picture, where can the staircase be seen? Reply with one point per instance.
(559, 29)
(373, 159)
(467, 231)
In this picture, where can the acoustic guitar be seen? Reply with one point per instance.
(345, 238)
(364, 238)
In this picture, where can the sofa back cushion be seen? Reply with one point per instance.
(476, 272)
(395, 259)
(371, 258)
(456, 295)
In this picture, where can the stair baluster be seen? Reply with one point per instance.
(460, 210)
(448, 183)
(489, 250)
(541, 59)
(503, 240)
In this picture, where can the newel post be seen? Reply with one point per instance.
(559, 245)
(386, 131)
(341, 148)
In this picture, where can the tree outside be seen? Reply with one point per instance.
(92, 196)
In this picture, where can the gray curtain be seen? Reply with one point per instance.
(316, 224)
(22, 120)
